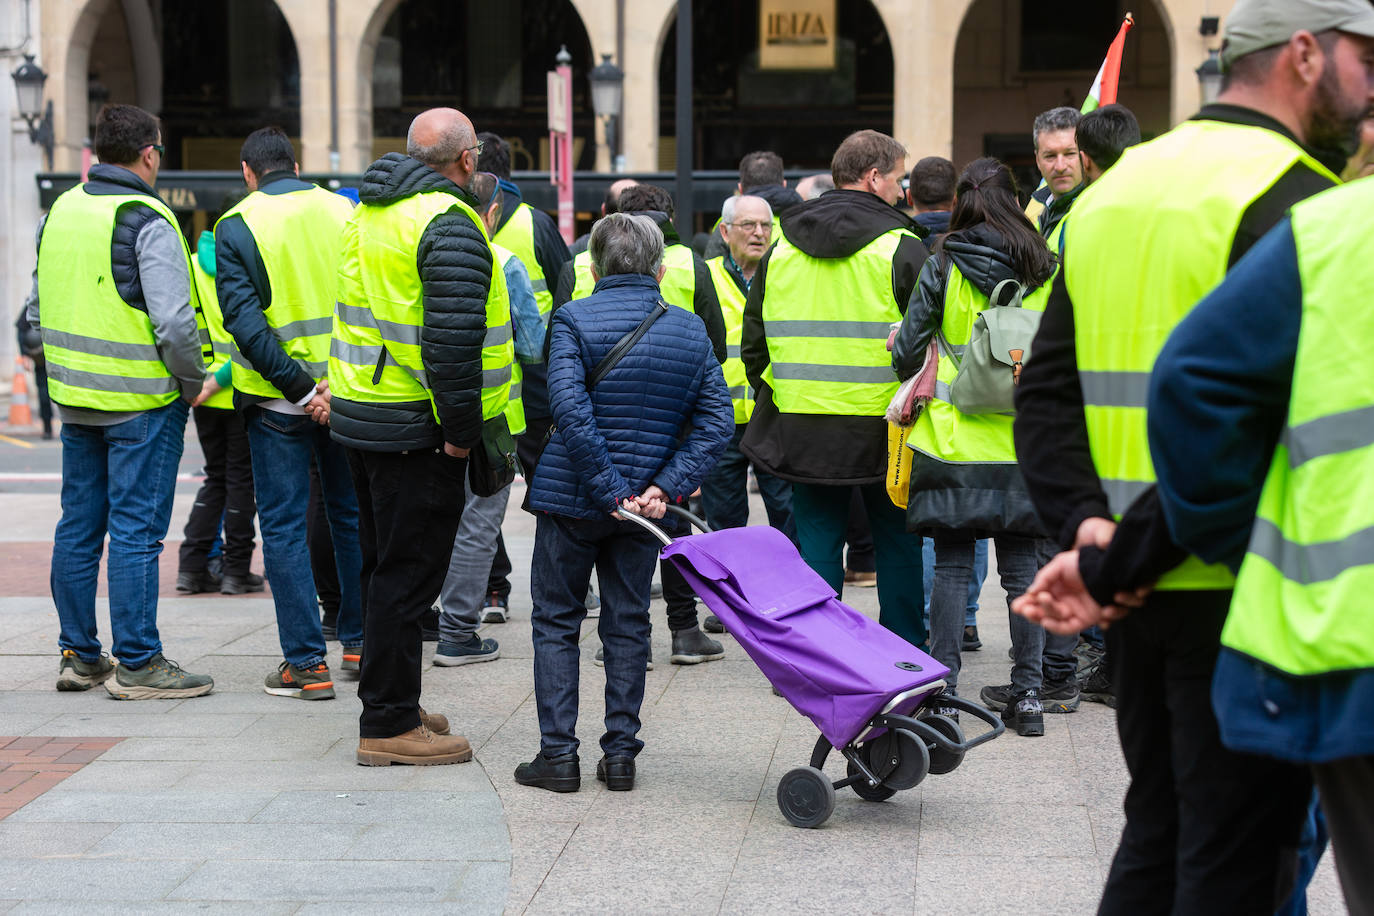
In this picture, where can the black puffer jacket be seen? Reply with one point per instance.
(454, 263)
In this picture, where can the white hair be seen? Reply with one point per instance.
(727, 210)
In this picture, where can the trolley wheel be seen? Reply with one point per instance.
(941, 760)
(806, 797)
(898, 758)
(862, 789)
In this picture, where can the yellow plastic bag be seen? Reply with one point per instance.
(898, 464)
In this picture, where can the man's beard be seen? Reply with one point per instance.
(1334, 124)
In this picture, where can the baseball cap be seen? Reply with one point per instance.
(1258, 24)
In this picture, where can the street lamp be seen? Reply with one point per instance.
(1209, 76)
(28, 85)
(607, 82)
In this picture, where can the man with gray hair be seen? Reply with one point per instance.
(1056, 156)
(632, 434)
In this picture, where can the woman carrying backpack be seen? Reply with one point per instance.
(965, 484)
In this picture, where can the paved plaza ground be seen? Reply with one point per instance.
(243, 802)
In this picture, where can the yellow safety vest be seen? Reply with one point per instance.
(1137, 261)
(517, 236)
(732, 300)
(515, 407)
(826, 321)
(220, 341)
(298, 235)
(1303, 591)
(678, 286)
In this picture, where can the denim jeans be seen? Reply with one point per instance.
(822, 514)
(565, 551)
(281, 445)
(1019, 558)
(975, 584)
(469, 564)
(725, 492)
(118, 480)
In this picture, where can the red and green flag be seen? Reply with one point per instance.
(1104, 87)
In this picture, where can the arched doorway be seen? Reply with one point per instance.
(1017, 58)
(487, 59)
(800, 114)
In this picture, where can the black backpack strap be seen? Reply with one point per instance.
(623, 345)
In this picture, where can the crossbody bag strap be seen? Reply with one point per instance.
(624, 345)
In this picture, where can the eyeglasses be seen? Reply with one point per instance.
(161, 150)
(478, 147)
(752, 225)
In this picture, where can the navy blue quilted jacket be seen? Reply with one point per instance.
(662, 416)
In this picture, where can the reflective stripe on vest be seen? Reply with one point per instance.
(375, 355)
(517, 237)
(826, 321)
(1303, 590)
(1128, 296)
(678, 286)
(732, 300)
(220, 341)
(941, 430)
(101, 351)
(298, 236)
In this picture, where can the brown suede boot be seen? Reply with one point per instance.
(419, 747)
(435, 722)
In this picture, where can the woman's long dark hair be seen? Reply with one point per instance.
(986, 193)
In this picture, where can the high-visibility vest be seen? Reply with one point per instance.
(1303, 591)
(374, 356)
(732, 300)
(678, 286)
(298, 235)
(517, 237)
(220, 340)
(515, 407)
(101, 351)
(1137, 261)
(941, 430)
(826, 321)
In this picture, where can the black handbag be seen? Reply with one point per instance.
(492, 462)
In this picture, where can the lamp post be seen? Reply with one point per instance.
(1209, 76)
(607, 81)
(28, 86)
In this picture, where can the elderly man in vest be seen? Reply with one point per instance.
(1207, 828)
(125, 355)
(632, 435)
(276, 262)
(414, 377)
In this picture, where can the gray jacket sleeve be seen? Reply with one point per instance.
(167, 294)
(31, 303)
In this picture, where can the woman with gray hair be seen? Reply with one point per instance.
(616, 446)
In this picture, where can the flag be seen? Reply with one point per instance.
(1103, 91)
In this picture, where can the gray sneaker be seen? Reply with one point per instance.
(600, 658)
(476, 649)
(160, 679)
(75, 674)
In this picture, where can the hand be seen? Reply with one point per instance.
(322, 389)
(28, 362)
(317, 409)
(652, 503)
(1094, 532)
(1058, 600)
(454, 451)
(207, 390)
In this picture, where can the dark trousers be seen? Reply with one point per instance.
(565, 551)
(226, 495)
(320, 542)
(1208, 830)
(1346, 787)
(725, 492)
(409, 505)
(860, 557)
(681, 601)
(528, 447)
(40, 381)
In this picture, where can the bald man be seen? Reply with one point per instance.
(415, 286)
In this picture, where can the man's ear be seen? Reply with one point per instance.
(248, 177)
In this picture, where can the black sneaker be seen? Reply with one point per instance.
(712, 624)
(1025, 715)
(996, 697)
(692, 647)
(196, 583)
(971, 641)
(557, 774)
(242, 585)
(1059, 696)
(1095, 687)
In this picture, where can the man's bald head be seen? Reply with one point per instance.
(441, 138)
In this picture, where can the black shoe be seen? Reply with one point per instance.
(429, 625)
(194, 583)
(1095, 687)
(1087, 655)
(241, 585)
(1025, 715)
(996, 697)
(557, 774)
(1059, 696)
(618, 773)
(971, 641)
(712, 624)
(691, 647)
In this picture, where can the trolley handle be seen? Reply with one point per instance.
(655, 530)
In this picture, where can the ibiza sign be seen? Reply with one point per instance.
(797, 35)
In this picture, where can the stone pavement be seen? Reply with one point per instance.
(239, 801)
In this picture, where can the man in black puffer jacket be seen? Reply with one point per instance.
(406, 370)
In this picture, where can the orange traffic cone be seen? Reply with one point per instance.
(20, 415)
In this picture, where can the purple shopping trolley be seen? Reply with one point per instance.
(871, 693)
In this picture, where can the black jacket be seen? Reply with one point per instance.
(455, 266)
(1057, 209)
(812, 448)
(986, 498)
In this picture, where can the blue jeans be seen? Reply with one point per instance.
(975, 584)
(118, 479)
(822, 514)
(281, 445)
(565, 551)
(725, 492)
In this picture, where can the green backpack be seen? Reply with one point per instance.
(1001, 344)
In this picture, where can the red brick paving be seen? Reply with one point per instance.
(25, 565)
(33, 765)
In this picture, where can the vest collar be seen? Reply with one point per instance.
(115, 179)
(1334, 160)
